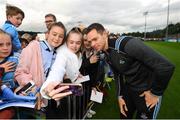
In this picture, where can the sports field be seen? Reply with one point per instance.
(170, 108)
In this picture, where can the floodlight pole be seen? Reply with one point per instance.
(167, 20)
(145, 14)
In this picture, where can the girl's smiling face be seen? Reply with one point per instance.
(5, 46)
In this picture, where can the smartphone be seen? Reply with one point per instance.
(25, 88)
(75, 88)
(82, 79)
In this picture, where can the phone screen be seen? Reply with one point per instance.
(25, 88)
(76, 89)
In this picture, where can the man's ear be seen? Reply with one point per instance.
(8, 17)
(105, 34)
(107, 31)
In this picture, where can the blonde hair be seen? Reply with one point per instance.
(76, 30)
(4, 33)
(27, 36)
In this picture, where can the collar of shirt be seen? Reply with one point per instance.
(4, 60)
(48, 55)
(9, 22)
(46, 46)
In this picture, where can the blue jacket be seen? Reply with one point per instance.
(8, 78)
(11, 29)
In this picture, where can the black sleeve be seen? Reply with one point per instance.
(85, 64)
(91, 69)
(162, 68)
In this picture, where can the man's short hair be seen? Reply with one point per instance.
(51, 15)
(13, 10)
(97, 26)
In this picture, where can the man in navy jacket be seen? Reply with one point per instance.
(141, 74)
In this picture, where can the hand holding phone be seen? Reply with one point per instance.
(75, 88)
(25, 88)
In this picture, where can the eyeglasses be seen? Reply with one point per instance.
(49, 21)
(76, 29)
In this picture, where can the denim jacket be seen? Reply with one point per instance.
(11, 29)
(8, 77)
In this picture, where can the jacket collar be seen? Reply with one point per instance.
(46, 46)
(8, 22)
(111, 44)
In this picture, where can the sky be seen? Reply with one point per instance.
(118, 16)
